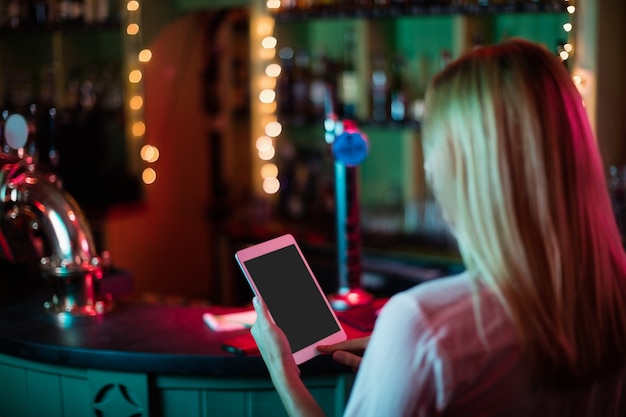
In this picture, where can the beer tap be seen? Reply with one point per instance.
(31, 200)
(349, 148)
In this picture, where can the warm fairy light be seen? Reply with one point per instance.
(567, 27)
(139, 129)
(267, 96)
(135, 118)
(271, 185)
(269, 171)
(145, 55)
(267, 118)
(267, 54)
(268, 154)
(136, 102)
(571, 9)
(578, 80)
(264, 86)
(273, 129)
(269, 42)
(267, 83)
(146, 152)
(268, 108)
(135, 76)
(273, 4)
(149, 153)
(568, 47)
(564, 55)
(265, 26)
(273, 70)
(148, 176)
(582, 79)
(264, 143)
(132, 29)
(153, 156)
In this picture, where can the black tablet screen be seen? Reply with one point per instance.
(292, 297)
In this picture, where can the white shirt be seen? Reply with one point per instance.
(427, 357)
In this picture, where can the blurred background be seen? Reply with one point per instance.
(187, 129)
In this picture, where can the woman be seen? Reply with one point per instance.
(536, 325)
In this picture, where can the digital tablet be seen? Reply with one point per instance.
(279, 275)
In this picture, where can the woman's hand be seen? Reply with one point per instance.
(348, 352)
(284, 372)
(272, 342)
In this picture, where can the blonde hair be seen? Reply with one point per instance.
(531, 210)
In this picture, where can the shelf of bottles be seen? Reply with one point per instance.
(376, 58)
(336, 9)
(346, 66)
(30, 15)
(62, 69)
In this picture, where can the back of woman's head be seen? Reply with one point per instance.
(514, 164)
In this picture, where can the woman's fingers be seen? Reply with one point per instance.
(357, 345)
(348, 352)
(261, 310)
(347, 358)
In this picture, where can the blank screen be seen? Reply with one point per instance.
(292, 297)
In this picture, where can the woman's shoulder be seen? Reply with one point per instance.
(450, 309)
(440, 293)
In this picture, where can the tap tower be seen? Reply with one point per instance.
(32, 200)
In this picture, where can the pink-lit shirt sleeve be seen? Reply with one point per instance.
(402, 372)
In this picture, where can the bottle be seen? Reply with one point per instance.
(348, 85)
(300, 87)
(64, 14)
(379, 88)
(89, 12)
(39, 12)
(13, 14)
(3, 15)
(52, 7)
(318, 85)
(398, 99)
(32, 122)
(283, 87)
(77, 11)
(102, 11)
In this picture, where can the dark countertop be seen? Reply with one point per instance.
(133, 337)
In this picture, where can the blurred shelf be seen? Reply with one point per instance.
(70, 27)
(341, 11)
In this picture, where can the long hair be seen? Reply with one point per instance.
(529, 204)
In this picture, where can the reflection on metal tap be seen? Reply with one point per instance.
(31, 200)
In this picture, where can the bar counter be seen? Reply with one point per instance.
(140, 360)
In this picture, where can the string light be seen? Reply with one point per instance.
(132, 6)
(132, 29)
(148, 175)
(266, 128)
(149, 153)
(565, 50)
(269, 171)
(139, 129)
(136, 126)
(135, 76)
(273, 70)
(136, 102)
(145, 55)
(273, 4)
(267, 96)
